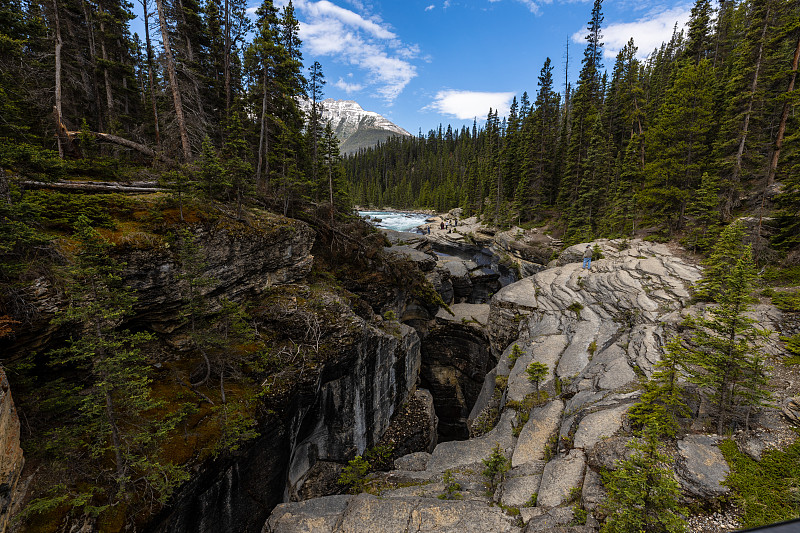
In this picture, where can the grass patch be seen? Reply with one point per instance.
(768, 491)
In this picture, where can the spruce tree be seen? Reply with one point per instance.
(725, 358)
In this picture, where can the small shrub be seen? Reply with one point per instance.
(575, 307)
(389, 315)
(579, 515)
(451, 487)
(793, 347)
(516, 353)
(496, 465)
(354, 474)
(592, 348)
(536, 373)
(597, 253)
(574, 494)
(767, 491)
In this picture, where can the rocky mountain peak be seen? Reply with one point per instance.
(355, 127)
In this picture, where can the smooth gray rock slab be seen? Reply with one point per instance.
(414, 462)
(701, 467)
(535, 436)
(426, 262)
(456, 454)
(517, 491)
(368, 513)
(557, 517)
(595, 426)
(318, 515)
(560, 476)
(593, 495)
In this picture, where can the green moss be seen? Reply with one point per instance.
(768, 491)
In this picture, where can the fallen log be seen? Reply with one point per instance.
(141, 148)
(92, 186)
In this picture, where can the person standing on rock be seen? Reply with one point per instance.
(587, 257)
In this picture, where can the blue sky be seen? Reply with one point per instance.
(430, 62)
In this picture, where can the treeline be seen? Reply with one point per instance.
(204, 83)
(674, 141)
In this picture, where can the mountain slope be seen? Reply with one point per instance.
(354, 127)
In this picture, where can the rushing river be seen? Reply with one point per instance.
(396, 220)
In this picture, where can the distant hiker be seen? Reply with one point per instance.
(442, 224)
(587, 257)
(456, 222)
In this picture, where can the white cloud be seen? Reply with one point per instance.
(348, 87)
(465, 105)
(430, 7)
(648, 32)
(364, 42)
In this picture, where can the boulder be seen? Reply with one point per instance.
(426, 262)
(560, 477)
(791, 409)
(593, 494)
(701, 467)
(608, 453)
(414, 462)
(318, 515)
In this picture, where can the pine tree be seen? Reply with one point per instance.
(725, 359)
(315, 128)
(662, 402)
(678, 144)
(643, 494)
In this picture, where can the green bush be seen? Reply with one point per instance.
(451, 487)
(61, 210)
(354, 474)
(787, 301)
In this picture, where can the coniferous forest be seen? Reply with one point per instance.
(678, 142)
(181, 271)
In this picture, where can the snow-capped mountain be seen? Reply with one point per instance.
(354, 127)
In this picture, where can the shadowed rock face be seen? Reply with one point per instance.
(455, 360)
(11, 459)
(345, 410)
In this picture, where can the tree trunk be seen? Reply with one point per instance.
(227, 59)
(57, 107)
(173, 81)
(740, 151)
(93, 61)
(150, 76)
(146, 150)
(773, 165)
(263, 142)
(106, 77)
